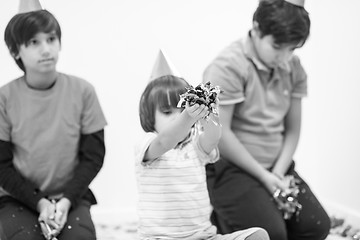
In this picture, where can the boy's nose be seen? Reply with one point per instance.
(284, 56)
(45, 48)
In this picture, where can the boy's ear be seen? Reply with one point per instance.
(256, 26)
(16, 56)
(256, 30)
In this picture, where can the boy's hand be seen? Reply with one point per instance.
(196, 111)
(204, 93)
(62, 210)
(48, 225)
(273, 183)
(214, 116)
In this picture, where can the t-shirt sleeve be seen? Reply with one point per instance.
(92, 118)
(227, 72)
(142, 146)
(5, 126)
(299, 79)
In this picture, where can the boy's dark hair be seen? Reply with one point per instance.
(24, 26)
(286, 22)
(161, 93)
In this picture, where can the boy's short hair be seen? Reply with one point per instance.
(24, 26)
(161, 93)
(286, 22)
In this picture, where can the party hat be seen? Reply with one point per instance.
(299, 3)
(29, 6)
(163, 66)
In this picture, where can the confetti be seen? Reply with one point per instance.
(202, 94)
(287, 200)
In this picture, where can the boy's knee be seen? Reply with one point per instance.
(317, 230)
(325, 228)
(260, 234)
(278, 233)
(321, 229)
(78, 232)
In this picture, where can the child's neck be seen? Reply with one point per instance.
(41, 81)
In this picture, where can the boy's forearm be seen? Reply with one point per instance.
(291, 138)
(211, 134)
(286, 155)
(212, 131)
(170, 136)
(176, 131)
(91, 157)
(212, 126)
(15, 184)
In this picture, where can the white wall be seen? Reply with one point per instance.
(113, 44)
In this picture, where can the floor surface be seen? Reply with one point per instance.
(126, 230)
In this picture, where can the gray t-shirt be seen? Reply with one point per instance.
(45, 127)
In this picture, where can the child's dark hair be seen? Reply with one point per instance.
(286, 22)
(161, 93)
(24, 26)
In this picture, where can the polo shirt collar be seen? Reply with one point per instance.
(249, 50)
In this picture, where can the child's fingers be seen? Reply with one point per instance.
(198, 109)
(201, 112)
(192, 109)
(204, 111)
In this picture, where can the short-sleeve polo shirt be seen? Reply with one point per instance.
(261, 96)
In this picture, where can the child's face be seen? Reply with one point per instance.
(164, 116)
(270, 53)
(40, 54)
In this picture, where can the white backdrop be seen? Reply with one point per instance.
(113, 44)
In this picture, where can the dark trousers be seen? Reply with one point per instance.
(17, 222)
(241, 201)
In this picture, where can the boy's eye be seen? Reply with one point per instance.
(277, 47)
(167, 111)
(33, 42)
(52, 38)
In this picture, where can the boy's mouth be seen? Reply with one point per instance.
(45, 60)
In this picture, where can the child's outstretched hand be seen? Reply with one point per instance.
(203, 94)
(196, 111)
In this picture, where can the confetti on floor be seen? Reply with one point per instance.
(122, 231)
(126, 230)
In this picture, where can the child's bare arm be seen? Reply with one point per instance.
(210, 137)
(175, 131)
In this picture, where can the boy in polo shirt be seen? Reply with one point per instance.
(263, 83)
(51, 137)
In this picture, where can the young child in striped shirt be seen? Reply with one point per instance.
(170, 165)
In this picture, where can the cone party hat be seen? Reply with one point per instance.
(163, 66)
(299, 3)
(29, 6)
